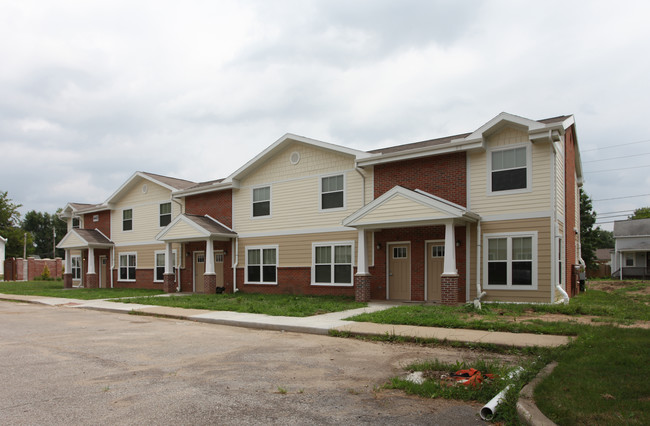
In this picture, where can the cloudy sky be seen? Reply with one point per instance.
(92, 91)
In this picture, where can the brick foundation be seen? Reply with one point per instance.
(67, 280)
(91, 281)
(209, 283)
(449, 287)
(362, 288)
(169, 286)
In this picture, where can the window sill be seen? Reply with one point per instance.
(332, 285)
(256, 283)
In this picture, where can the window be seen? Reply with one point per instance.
(438, 251)
(261, 265)
(332, 264)
(128, 262)
(399, 253)
(76, 267)
(127, 220)
(75, 222)
(332, 193)
(509, 169)
(165, 214)
(262, 201)
(160, 264)
(511, 261)
(95, 218)
(629, 259)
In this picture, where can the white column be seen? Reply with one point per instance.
(91, 260)
(362, 266)
(168, 258)
(450, 250)
(209, 256)
(68, 262)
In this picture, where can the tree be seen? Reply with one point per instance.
(10, 227)
(591, 238)
(641, 213)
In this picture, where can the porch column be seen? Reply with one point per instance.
(449, 278)
(209, 277)
(362, 277)
(91, 276)
(67, 275)
(168, 276)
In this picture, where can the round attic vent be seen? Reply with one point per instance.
(144, 188)
(294, 158)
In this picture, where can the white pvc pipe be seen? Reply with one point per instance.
(565, 296)
(489, 410)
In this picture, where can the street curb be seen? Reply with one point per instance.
(526, 408)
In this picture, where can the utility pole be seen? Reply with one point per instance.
(53, 241)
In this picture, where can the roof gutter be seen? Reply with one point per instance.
(422, 152)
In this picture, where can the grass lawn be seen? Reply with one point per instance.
(270, 304)
(55, 289)
(600, 378)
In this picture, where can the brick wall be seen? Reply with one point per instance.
(187, 273)
(570, 203)
(35, 268)
(217, 205)
(292, 281)
(444, 176)
(103, 224)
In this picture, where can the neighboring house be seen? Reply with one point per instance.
(603, 264)
(3, 244)
(493, 213)
(631, 256)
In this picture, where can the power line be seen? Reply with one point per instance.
(616, 158)
(614, 146)
(620, 198)
(614, 170)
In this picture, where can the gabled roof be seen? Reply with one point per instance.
(84, 238)
(173, 184)
(404, 207)
(190, 227)
(287, 139)
(76, 209)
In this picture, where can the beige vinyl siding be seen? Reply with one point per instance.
(543, 292)
(146, 213)
(559, 181)
(472, 262)
(183, 230)
(74, 241)
(534, 201)
(297, 188)
(145, 254)
(295, 250)
(402, 208)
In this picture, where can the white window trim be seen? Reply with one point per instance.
(277, 257)
(132, 220)
(332, 244)
(79, 220)
(529, 169)
(73, 268)
(119, 266)
(268, 216)
(171, 213)
(155, 255)
(320, 192)
(509, 236)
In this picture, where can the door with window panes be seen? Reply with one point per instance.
(435, 268)
(199, 270)
(399, 272)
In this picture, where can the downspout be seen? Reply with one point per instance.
(112, 264)
(479, 294)
(180, 255)
(363, 178)
(234, 266)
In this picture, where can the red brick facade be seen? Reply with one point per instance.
(292, 281)
(14, 268)
(217, 205)
(103, 223)
(444, 176)
(570, 203)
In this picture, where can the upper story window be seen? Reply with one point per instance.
(332, 192)
(96, 218)
(262, 201)
(165, 214)
(127, 220)
(509, 169)
(76, 222)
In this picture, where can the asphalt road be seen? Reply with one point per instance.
(73, 366)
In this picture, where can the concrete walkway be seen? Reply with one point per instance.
(317, 324)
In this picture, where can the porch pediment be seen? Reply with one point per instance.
(188, 227)
(84, 238)
(404, 207)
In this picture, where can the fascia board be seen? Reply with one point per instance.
(454, 146)
(219, 223)
(219, 186)
(185, 219)
(111, 200)
(67, 236)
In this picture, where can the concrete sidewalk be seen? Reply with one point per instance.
(317, 324)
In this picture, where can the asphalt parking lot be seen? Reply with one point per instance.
(71, 366)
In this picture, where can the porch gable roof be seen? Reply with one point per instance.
(84, 238)
(405, 207)
(190, 227)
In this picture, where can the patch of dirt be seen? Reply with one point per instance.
(610, 286)
(582, 319)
